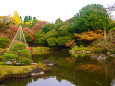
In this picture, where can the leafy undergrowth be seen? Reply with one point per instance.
(3, 50)
(40, 50)
(10, 69)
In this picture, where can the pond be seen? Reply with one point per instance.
(70, 71)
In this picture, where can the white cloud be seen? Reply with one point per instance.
(48, 10)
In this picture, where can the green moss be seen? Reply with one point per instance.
(9, 69)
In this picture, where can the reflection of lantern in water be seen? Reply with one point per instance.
(113, 83)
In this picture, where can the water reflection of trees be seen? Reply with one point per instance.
(66, 69)
(110, 69)
(80, 77)
(17, 82)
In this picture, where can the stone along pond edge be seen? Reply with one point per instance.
(36, 70)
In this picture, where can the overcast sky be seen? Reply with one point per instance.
(48, 10)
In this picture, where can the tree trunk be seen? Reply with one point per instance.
(104, 33)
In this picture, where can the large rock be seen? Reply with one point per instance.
(34, 63)
(8, 62)
(101, 57)
(37, 72)
(48, 62)
(113, 83)
(87, 52)
(94, 56)
(112, 55)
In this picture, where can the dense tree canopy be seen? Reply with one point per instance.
(83, 28)
(29, 22)
(54, 35)
(46, 28)
(39, 25)
(26, 19)
(91, 17)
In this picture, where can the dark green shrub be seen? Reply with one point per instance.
(4, 42)
(10, 52)
(28, 38)
(18, 46)
(52, 41)
(23, 53)
(113, 29)
(18, 54)
(25, 61)
(62, 40)
(76, 48)
(10, 57)
(81, 46)
(98, 50)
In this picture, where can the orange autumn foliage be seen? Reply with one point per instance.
(90, 35)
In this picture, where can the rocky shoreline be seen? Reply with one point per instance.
(33, 73)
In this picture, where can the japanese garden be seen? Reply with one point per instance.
(77, 52)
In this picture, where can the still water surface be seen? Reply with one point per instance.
(69, 71)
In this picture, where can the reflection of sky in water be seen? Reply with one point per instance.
(49, 82)
(113, 83)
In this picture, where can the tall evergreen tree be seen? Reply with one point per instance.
(20, 17)
(30, 17)
(34, 18)
(26, 19)
(58, 21)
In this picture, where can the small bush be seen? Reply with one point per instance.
(18, 46)
(28, 38)
(76, 48)
(97, 50)
(23, 53)
(81, 46)
(4, 42)
(10, 57)
(18, 53)
(25, 61)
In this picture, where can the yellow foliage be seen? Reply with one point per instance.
(30, 22)
(16, 19)
(39, 20)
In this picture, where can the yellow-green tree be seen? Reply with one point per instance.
(4, 22)
(16, 19)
